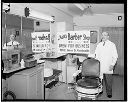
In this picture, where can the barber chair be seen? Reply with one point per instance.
(90, 85)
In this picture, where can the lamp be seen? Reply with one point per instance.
(34, 14)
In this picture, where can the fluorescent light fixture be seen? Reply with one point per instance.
(38, 15)
(79, 6)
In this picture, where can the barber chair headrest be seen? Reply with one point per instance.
(91, 67)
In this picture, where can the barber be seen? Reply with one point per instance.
(106, 53)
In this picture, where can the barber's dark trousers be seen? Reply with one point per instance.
(108, 83)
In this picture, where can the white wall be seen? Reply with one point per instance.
(99, 20)
(44, 26)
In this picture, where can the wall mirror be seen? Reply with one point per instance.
(93, 35)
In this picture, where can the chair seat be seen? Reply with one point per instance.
(88, 82)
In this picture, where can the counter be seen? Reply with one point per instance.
(27, 84)
(18, 69)
(48, 55)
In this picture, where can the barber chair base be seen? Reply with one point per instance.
(88, 93)
(88, 97)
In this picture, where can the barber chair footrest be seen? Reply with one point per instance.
(92, 97)
(89, 91)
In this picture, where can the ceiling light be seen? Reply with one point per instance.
(37, 15)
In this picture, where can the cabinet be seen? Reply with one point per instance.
(70, 71)
(27, 84)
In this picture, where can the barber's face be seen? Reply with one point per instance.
(12, 37)
(105, 36)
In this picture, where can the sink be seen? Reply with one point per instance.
(48, 72)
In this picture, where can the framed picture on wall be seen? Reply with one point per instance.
(93, 36)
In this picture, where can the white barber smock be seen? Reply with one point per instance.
(107, 55)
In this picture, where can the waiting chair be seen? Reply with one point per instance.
(90, 85)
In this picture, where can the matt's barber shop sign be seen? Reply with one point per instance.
(73, 42)
(40, 41)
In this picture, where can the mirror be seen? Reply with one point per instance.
(93, 35)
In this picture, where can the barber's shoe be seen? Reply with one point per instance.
(109, 96)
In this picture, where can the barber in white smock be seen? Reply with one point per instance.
(106, 53)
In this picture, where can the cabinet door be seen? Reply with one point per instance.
(39, 86)
(64, 78)
(70, 71)
(18, 85)
(32, 87)
(59, 67)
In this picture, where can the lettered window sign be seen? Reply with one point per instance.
(40, 41)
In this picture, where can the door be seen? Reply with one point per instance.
(32, 87)
(117, 36)
(17, 83)
(70, 71)
(39, 85)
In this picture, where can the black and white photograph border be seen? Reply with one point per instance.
(58, 51)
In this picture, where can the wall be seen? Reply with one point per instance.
(99, 20)
(42, 27)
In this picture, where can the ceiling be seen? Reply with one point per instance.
(73, 10)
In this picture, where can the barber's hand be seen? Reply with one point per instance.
(111, 67)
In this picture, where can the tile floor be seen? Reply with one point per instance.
(62, 92)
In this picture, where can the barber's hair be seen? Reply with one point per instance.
(105, 33)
